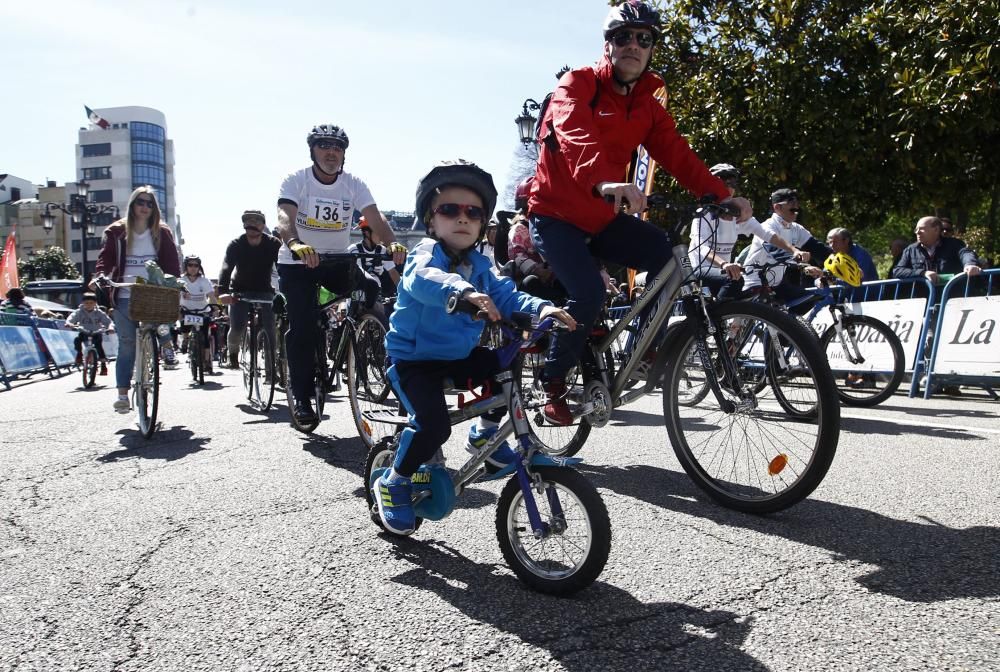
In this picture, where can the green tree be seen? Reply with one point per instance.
(52, 262)
(870, 109)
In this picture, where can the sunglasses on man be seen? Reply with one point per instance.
(624, 37)
(326, 144)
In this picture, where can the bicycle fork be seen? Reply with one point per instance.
(844, 335)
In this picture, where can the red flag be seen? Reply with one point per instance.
(95, 118)
(8, 267)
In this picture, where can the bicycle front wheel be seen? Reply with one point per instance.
(196, 355)
(264, 369)
(745, 451)
(89, 369)
(147, 385)
(868, 363)
(367, 386)
(576, 542)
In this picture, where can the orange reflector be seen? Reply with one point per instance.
(367, 427)
(778, 464)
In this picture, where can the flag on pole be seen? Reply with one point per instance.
(8, 267)
(95, 118)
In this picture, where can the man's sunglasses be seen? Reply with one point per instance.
(253, 227)
(453, 210)
(624, 37)
(325, 144)
(144, 202)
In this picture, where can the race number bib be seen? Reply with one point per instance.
(325, 214)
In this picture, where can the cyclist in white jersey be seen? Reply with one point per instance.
(315, 209)
(712, 242)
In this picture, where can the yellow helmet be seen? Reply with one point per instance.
(843, 267)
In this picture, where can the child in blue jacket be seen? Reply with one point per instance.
(429, 342)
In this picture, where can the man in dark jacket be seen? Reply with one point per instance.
(596, 118)
(252, 256)
(934, 254)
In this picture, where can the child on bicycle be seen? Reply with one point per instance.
(90, 321)
(429, 342)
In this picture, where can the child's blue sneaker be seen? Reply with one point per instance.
(499, 458)
(394, 498)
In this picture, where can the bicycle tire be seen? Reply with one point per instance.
(751, 457)
(280, 327)
(147, 401)
(556, 440)
(89, 369)
(874, 386)
(264, 367)
(782, 370)
(566, 567)
(367, 386)
(196, 356)
(304, 427)
(246, 360)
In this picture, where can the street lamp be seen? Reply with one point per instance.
(83, 213)
(526, 121)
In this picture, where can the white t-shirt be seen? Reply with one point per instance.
(325, 211)
(199, 289)
(792, 233)
(135, 260)
(373, 266)
(719, 236)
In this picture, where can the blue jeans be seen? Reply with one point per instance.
(573, 256)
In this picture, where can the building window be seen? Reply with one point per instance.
(100, 196)
(103, 173)
(99, 149)
(75, 246)
(151, 152)
(147, 173)
(142, 130)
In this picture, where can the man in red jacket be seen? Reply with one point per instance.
(595, 120)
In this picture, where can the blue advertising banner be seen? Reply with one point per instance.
(19, 350)
(60, 345)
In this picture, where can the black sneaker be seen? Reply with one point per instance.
(304, 413)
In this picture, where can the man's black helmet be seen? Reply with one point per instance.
(724, 170)
(459, 173)
(632, 14)
(330, 133)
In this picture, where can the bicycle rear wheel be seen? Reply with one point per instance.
(873, 377)
(367, 386)
(147, 387)
(304, 427)
(89, 369)
(746, 453)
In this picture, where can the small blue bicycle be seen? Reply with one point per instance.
(551, 522)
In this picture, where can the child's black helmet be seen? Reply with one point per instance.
(458, 173)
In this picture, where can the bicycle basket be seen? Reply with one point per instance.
(152, 303)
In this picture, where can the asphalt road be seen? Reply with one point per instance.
(230, 542)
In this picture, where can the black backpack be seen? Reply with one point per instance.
(503, 232)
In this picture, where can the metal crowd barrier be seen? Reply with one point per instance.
(963, 286)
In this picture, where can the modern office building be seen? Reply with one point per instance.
(131, 151)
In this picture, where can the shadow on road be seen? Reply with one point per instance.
(916, 562)
(277, 414)
(621, 417)
(166, 444)
(343, 453)
(900, 428)
(601, 628)
(943, 412)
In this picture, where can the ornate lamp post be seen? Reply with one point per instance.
(83, 214)
(526, 121)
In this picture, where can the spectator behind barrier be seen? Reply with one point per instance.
(840, 240)
(934, 254)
